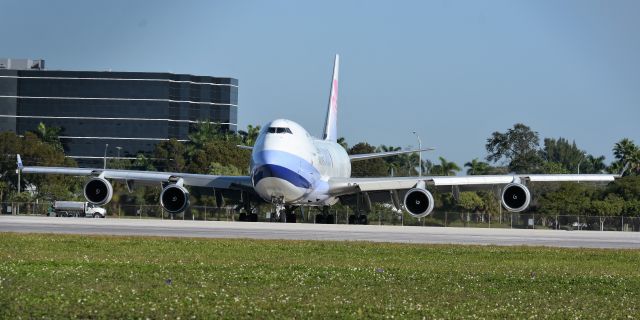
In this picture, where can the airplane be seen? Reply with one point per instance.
(290, 168)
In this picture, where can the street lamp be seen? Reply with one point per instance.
(579, 162)
(419, 154)
(105, 155)
(119, 148)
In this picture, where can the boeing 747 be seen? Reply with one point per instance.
(290, 168)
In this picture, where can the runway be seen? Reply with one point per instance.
(262, 230)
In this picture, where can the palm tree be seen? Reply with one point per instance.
(595, 164)
(476, 167)
(205, 131)
(445, 168)
(49, 135)
(393, 162)
(251, 135)
(624, 149)
(343, 142)
(627, 153)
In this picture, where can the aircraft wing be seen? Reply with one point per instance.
(196, 180)
(344, 186)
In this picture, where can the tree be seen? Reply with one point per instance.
(518, 147)
(143, 163)
(367, 168)
(593, 164)
(611, 205)
(470, 202)
(203, 132)
(566, 154)
(550, 167)
(49, 135)
(403, 164)
(35, 152)
(343, 142)
(477, 167)
(225, 170)
(568, 199)
(170, 155)
(627, 153)
(445, 168)
(627, 187)
(251, 135)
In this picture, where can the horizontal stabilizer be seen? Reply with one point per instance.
(365, 156)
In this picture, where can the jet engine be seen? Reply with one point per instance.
(418, 202)
(98, 191)
(174, 198)
(515, 197)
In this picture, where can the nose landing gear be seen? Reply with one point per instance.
(289, 215)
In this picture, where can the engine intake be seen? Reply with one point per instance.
(174, 198)
(98, 191)
(418, 202)
(515, 197)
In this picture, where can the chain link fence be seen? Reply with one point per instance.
(346, 216)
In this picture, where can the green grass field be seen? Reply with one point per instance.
(56, 276)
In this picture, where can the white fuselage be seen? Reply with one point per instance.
(289, 166)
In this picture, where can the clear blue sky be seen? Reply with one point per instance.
(454, 71)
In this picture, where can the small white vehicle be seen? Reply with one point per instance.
(77, 209)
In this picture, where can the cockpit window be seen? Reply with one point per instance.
(279, 130)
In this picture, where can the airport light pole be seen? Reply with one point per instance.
(580, 162)
(105, 155)
(419, 154)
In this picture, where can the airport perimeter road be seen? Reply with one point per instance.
(262, 230)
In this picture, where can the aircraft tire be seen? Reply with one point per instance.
(330, 219)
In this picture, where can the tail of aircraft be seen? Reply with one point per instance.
(331, 123)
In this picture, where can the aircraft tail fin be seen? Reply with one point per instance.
(331, 122)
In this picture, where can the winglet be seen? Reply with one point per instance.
(626, 166)
(19, 161)
(330, 125)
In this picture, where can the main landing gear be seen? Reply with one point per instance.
(358, 219)
(325, 217)
(248, 215)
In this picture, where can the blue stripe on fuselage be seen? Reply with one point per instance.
(276, 171)
(283, 165)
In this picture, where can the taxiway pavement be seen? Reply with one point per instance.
(291, 231)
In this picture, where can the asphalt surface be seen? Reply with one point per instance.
(262, 230)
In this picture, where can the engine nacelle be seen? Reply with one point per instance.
(515, 197)
(98, 191)
(418, 202)
(174, 198)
